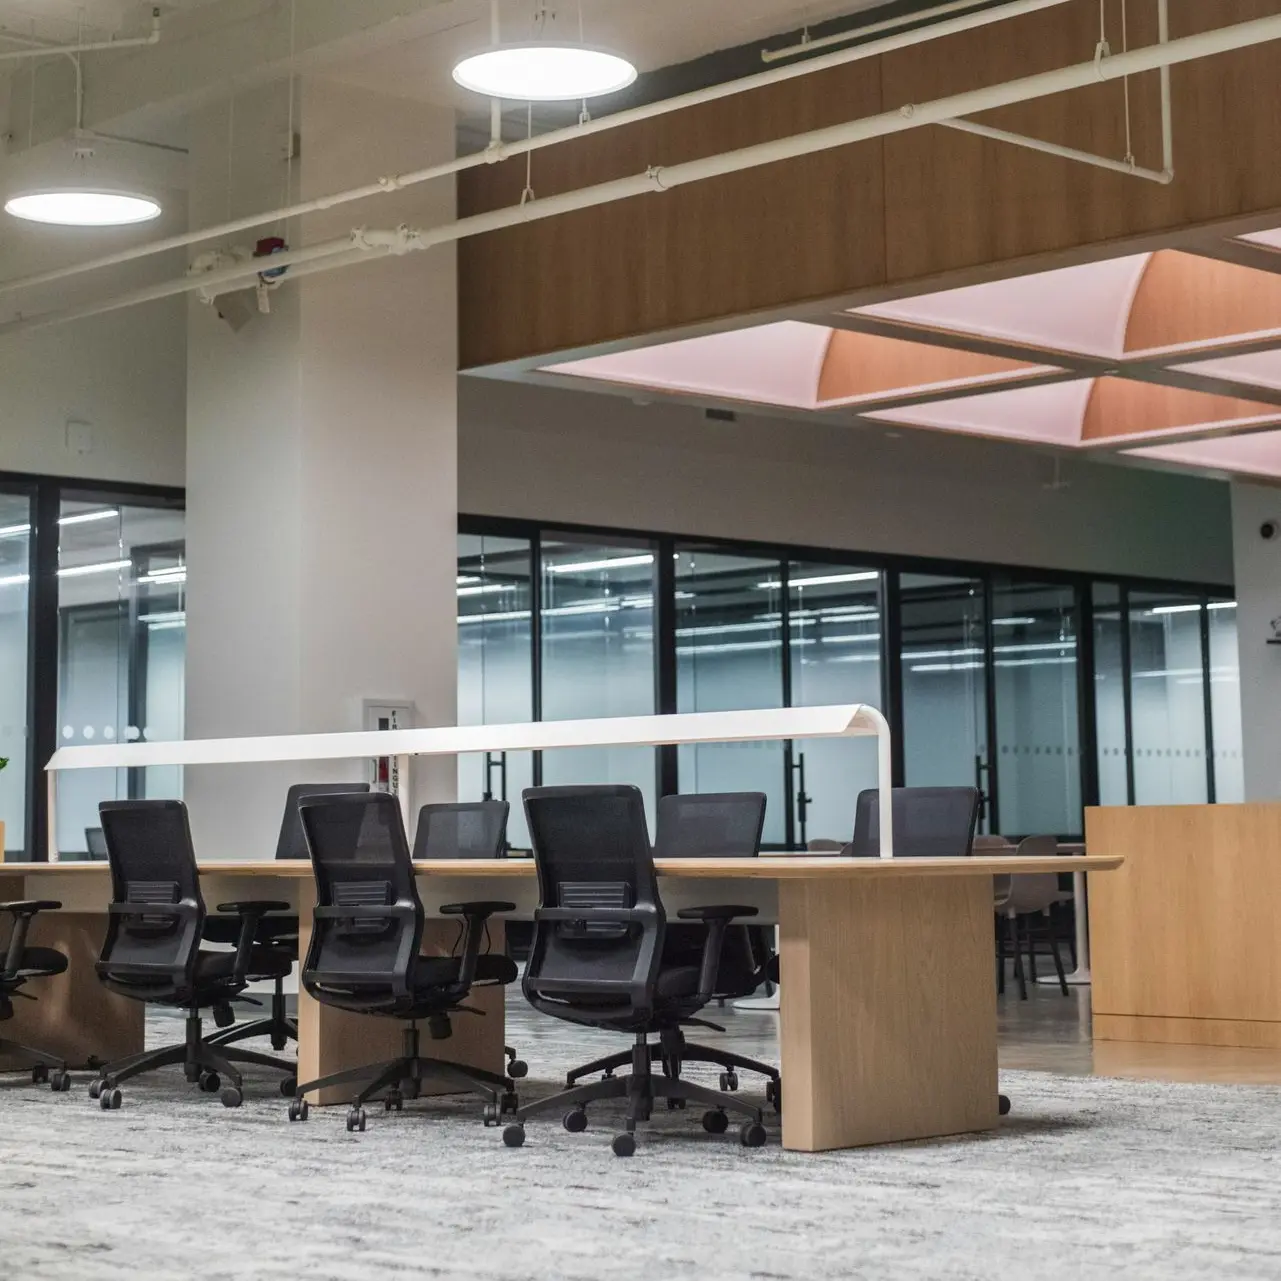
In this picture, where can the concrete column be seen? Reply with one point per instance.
(1258, 586)
(322, 460)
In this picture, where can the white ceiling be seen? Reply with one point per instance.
(652, 33)
(64, 20)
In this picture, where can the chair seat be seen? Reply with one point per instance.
(264, 963)
(432, 972)
(275, 931)
(40, 962)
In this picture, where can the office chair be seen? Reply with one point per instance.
(20, 964)
(468, 829)
(95, 844)
(277, 932)
(929, 822)
(709, 825)
(152, 950)
(365, 954)
(597, 957)
(1025, 912)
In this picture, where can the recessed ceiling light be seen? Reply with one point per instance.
(544, 72)
(76, 208)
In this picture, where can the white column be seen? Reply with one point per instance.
(322, 460)
(1257, 568)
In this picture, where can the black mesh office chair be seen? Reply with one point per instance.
(597, 957)
(929, 822)
(365, 953)
(467, 829)
(277, 932)
(152, 949)
(20, 964)
(710, 825)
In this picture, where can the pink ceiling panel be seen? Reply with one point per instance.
(775, 364)
(1079, 309)
(1258, 454)
(1269, 239)
(1052, 414)
(1262, 368)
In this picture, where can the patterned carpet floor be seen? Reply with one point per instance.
(1088, 1178)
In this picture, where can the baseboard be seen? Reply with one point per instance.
(1241, 1033)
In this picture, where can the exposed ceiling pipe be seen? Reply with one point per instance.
(806, 45)
(912, 116)
(42, 50)
(503, 151)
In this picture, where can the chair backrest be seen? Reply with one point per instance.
(292, 843)
(1033, 891)
(591, 849)
(95, 843)
(152, 862)
(711, 824)
(929, 822)
(471, 829)
(360, 858)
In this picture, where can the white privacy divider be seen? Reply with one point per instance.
(843, 721)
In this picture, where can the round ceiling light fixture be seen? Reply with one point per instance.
(545, 72)
(74, 207)
(89, 184)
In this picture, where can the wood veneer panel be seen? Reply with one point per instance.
(888, 1018)
(1151, 1030)
(1119, 407)
(1187, 928)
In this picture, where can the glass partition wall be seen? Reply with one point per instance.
(1048, 691)
(15, 598)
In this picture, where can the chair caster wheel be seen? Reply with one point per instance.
(490, 1114)
(298, 1109)
(356, 1119)
(110, 1100)
(39, 1074)
(95, 1088)
(514, 1136)
(60, 1082)
(752, 1134)
(729, 1081)
(624, 1145)
(232, 1097)
(575, 1120)
(715, 1122)
(509, 1104)
(774, 1094)
(517, 1069)
(1003, 1104)
(394, 1102)
(289, 1087)
(209, 1082)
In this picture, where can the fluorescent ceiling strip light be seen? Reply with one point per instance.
(588, 566)
(106, 567)
(822, 580)
(486, 589)
(173, 625)
(506, 616)
(15, 580)
(85, 518)
(1157, 610)
(465, 579)
(853, 658)
(14, 531)
(1013, 622)
(166, 616)
(735, 647)
(165, 577)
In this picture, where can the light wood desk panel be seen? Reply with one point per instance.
(888, 993)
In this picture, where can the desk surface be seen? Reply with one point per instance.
(786, 867)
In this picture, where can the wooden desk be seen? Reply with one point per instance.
(888, 1013)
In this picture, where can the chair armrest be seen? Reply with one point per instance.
(29, 907)
(260, 907)
(486, 907)
(726, 913)
(476, 915)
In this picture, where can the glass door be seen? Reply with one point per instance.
(945, 712)
(495, 666)
(729, 655)
(15, 588)
(1038, 727)
(834, 620)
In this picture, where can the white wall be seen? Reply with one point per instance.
(547, 454)
(1258, 581)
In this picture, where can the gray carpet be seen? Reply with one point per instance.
(1088, 1178)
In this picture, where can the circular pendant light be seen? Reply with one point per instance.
(73, 207)
(544, 71)
(90, 183)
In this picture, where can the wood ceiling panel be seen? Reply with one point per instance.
(1121, 409)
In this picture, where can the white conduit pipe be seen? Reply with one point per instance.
(1207, 44)
(859, 33)
(1164, 177)
(41, 50)
(493, 154)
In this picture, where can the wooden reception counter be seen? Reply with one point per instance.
(1184, 937)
